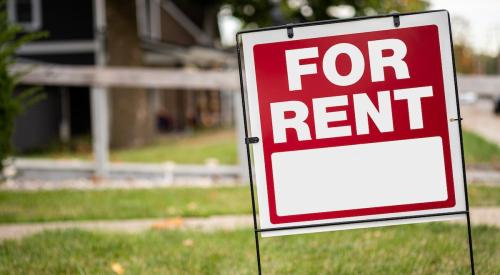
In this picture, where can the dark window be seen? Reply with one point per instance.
(23, 11)
(26, 13)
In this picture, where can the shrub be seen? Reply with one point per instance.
(12, 103)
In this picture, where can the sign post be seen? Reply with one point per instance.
(353, 124)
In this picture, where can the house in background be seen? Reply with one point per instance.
(141, 33)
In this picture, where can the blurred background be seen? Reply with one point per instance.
(126, 119)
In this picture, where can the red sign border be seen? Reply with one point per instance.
(352, 213)
(249, 140)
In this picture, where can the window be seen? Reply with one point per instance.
(27, 13)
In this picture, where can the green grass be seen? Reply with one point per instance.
(40, 206)
(31, 206)
(484, 195)
(432, 248)
(479, 150)
(196, 147)
(220, 145)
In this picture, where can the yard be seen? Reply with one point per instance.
(479, 150)
(431, 248)
(434, 248)
(199, 146)
(194, 147)
(29, 206)
(134, 66)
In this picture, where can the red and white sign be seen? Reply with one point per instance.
(355, 121)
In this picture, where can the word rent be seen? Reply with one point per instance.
(305, 61)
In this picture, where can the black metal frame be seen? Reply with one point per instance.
(250, 140)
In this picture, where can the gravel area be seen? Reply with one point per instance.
(93, 184)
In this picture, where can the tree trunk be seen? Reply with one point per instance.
(132, 113)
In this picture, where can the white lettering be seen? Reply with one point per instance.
(357, 64)
(364, 108)
(322, 117)
(295, 70)
(280, 123)
(379, 62)
(414, 96)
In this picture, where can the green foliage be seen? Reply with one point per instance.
(259, 11)
(11, 38)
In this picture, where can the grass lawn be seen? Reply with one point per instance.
(195, 148)
(29, 206)
(479, 150)
(188, 148)
(221, 145)
(484, 195)
(433, 248)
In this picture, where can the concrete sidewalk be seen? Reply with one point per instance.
(479, 216)
(226, 222)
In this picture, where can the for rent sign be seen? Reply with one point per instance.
(356, 121)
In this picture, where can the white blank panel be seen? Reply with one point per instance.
(390, 173)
